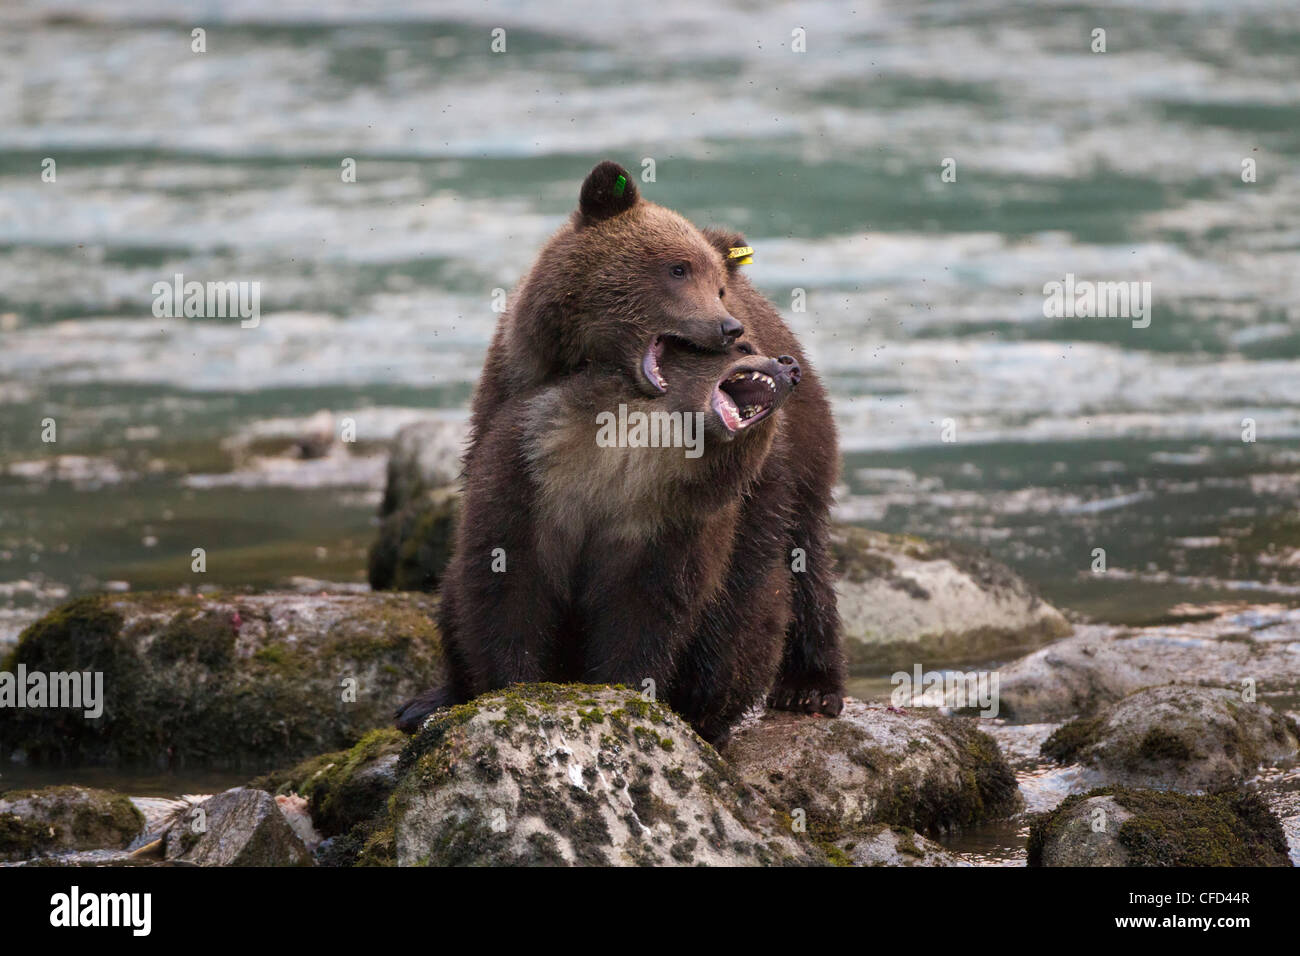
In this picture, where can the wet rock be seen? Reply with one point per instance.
(875, 765)
(884, 845)
(223, 681)
(573, 774)
(1176, 737)
(240, 827)
(59, 819)
(344, 792)
(904, 600)
(1117, 826)
(1100, 665)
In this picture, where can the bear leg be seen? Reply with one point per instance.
(813, 669)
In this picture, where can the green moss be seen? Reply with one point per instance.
(989, 790)
(1159, 744)
(1231, 828)
(22, 839)
(1069, 740)
(192, 636)
(274, 655)
(379, 847)
(415, 543)
(177, 694)
(907, 842)
(836, 856)
(343, 789)
(66, 818)
(678, 780)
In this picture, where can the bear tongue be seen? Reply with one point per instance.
(728, 410)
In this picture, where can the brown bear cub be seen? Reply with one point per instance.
(625, 287)
(607, 537)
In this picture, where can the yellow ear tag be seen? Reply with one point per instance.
(744, 253)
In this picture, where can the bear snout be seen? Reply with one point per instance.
(790, 368)
(731, 329)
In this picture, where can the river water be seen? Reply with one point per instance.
(925, 294)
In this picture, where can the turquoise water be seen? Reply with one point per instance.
(924, 297)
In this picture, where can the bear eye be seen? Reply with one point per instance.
(722, 293)
(678, 271)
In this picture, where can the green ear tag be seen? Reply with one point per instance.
(619, 185)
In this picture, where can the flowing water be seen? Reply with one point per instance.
(920, 300)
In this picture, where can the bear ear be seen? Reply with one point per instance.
(732, 245)
(607, 191)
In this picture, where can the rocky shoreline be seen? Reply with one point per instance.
(1109, 745)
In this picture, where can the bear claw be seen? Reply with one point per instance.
(808, 701)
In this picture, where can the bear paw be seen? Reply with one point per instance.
(410, 717)
(807, 700)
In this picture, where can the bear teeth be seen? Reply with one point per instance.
(755, 377)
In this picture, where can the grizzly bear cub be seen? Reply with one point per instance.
(608, 537)
(623, 287)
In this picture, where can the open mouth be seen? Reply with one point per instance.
(650, 365)
(745, 397)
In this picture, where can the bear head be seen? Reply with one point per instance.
(621, 279)
(738, 391)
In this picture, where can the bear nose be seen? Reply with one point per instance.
(731, 329)
(792, 368)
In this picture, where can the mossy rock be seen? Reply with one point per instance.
(1119, 826)
(875, 765)
(568, 774)
(425, 456)
(415, 543)
(60, 819)
(903, 599)
(346, 788)
(1176, 738)
(420, 506)
(224, 681)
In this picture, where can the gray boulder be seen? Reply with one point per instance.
(240, 827)
(875, 765)
(552, 774)
(904, 600)
(1102, 664)
(1176, 737)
